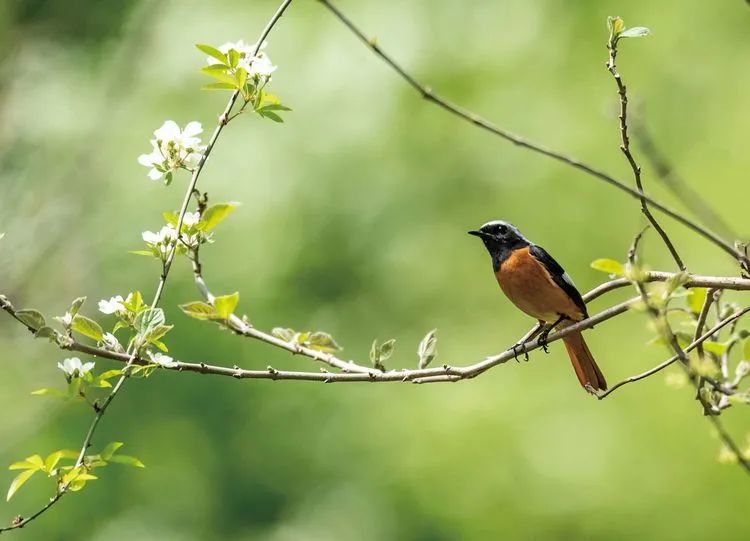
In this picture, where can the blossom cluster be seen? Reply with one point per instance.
(173, 149)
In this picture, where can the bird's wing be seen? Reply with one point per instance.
(559, 275)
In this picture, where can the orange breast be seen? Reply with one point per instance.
(528, 285)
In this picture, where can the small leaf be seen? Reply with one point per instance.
(33, 462)
(215, 214)
(610, 266)
(18, 482)
(746, 349)
(386, 350)
(270, 114)
(49, 392)
(284, 334)
(75, 306)
(714, 347)
(219, 75)
(51, 461)
(213, 52)
(148, 320)
(170, 217)
(615, 25)
(323, 341)
(146, 253)
(127, 460)
(111, 449)
(226, 304)
(31, 318)
(218, 86)
(696, 299)
(635, 32)
(87, 327)
(46, 332)
(199, 310)
(427, 349)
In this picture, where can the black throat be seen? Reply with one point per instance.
(501, 251)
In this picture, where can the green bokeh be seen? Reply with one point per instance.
(353, 221)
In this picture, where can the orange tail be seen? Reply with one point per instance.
(583, 363)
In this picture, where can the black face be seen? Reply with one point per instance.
(500, 238)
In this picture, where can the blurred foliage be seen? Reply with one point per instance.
(353, 220)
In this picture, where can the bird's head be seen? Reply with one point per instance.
(500, 238)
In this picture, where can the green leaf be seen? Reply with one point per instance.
(270, 114)
(46, 332)
(215, 214)
(386, 350)
(746, 349)
(31, 318)
(635, 32)
(219, 75)
(241, 76)
(18, 482)
(49, 392)
(127, 460)
(715, 347)
(199, 310)
(76, 305)
(87, 327)
(218, 86)
(287, 335)
(170, 217)
(427, 349)
(610, 266)
(148, 320)
(110, 450)
(323, 341)
(158, 332)
(696, 299)
(615, 25)
(51, 461)
(134, 303)
(33, 462)
(234, 57)
(147, 253)
(226, 304)
(213, 52)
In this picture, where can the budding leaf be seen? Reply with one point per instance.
(110, 450)
(610, 266)
(148, 320)
(427, 349)
(615, 25)
(199, 310)
(226, 304)
(635, 32)
(386, 350)
(31, 318)
(46, 332)
(75, 306)
(87, 327)
(286, 335)
(127, 460)
(323, 341)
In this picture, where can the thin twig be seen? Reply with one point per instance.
(428, 94)
(702, 319)
(132, 355)
(625, 148)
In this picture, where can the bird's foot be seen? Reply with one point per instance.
(519, 348)
(542, 340)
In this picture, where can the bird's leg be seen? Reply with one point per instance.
(520, 346)
(545, 333)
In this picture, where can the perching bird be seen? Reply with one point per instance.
(540, 287)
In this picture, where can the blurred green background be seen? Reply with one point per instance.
(353, 221)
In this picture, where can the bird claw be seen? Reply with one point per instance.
(518, 348)
(542, 340)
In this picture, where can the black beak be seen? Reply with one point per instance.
(481, 234)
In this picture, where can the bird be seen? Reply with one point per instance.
(539, 286)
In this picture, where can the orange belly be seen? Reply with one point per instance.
(528, 285)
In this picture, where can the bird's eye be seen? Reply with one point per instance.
(502, 229)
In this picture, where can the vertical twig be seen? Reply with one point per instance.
(625, 148)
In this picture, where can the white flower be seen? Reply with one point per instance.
(74, 368)
(163, 240)
(67, 319)
(162, 360)
(112, 306)
(259, 64)
(110, 341)
(190, 219)
(173, 149)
